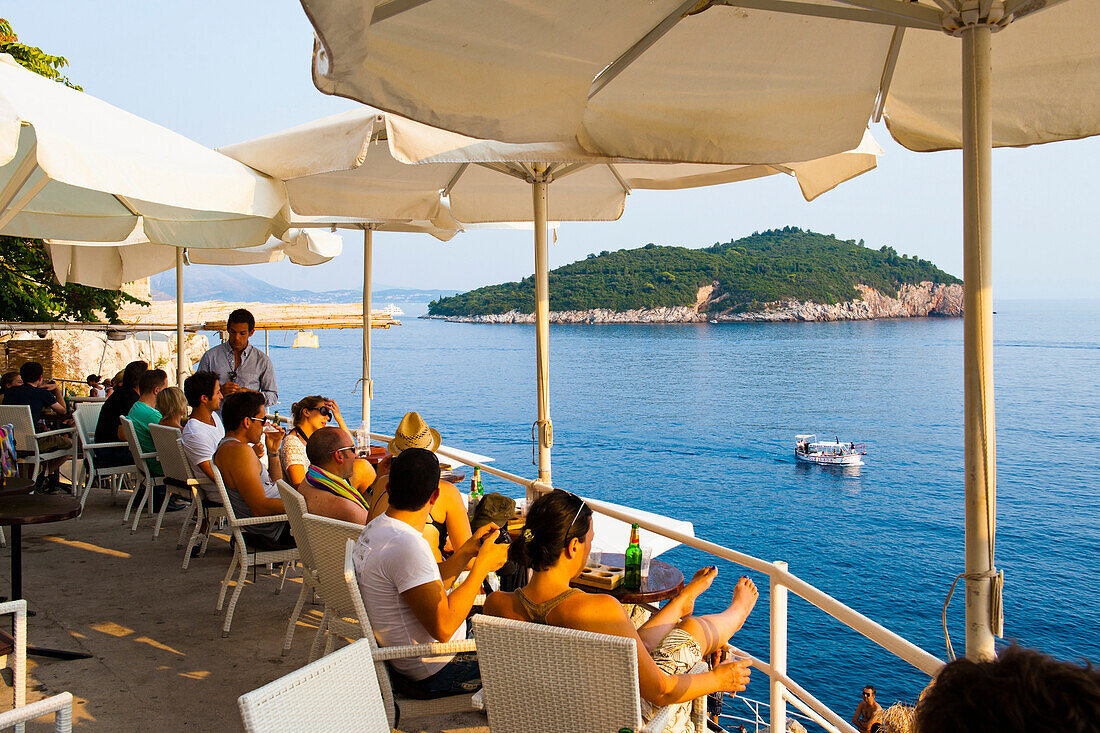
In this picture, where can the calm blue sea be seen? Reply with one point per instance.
(697, 422)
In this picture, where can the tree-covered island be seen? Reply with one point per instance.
(724, 280)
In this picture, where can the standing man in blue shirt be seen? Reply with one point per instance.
(238, 364)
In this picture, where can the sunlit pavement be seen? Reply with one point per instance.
(158, 659)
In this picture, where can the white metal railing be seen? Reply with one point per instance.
(782, 688)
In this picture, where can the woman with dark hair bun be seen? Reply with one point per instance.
(555, 543)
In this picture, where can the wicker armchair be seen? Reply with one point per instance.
(26, 440)
(295, 509)
(337, 692)
(21, 712)
(409, 707)
(181, 479)
(149, 482)
(86, 417)
(244, 556)
(547, 679)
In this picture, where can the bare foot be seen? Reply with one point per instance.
(695, 588)
(744, 599)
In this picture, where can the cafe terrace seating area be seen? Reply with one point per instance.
(139, 631)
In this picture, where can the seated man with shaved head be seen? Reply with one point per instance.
(331, 454)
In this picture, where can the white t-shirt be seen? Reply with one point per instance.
(390, 558)
(200, 442)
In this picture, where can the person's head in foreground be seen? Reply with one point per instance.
(311, 413)
(132, 374)
(172, 405)
(558, 529)
(10, 379)
(1022, 691)
(413, 432)
(244, 413)
(31, 372)
(201, 388)
(240, 326)
(414, 480)
(333, 450)
(152, 382)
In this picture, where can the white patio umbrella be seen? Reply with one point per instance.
(745, 81)
(74, 167)
(370, 164)
(112, 264)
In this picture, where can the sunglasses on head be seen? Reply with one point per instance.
(579, 510)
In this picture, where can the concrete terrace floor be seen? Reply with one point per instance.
(159, 661)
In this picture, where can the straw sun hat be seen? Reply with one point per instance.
(413, 432)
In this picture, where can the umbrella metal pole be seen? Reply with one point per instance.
(180, 345)
(368, 385)
(980, 436)
(545, 429)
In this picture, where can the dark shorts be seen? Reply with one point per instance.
(283, 541)
(110, 457)
(460, 676)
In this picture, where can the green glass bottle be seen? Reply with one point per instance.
(632, 578)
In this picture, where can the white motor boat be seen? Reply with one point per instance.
(828, 453)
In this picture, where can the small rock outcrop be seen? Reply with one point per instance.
(911, 301)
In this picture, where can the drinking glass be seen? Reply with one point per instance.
(595, 557)
(647, 556)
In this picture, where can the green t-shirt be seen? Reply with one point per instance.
(142, 415)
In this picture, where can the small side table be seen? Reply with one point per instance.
(16, 511)
(663, 583)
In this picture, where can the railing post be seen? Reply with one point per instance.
(777, 651)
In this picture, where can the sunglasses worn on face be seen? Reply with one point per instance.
(341, 450)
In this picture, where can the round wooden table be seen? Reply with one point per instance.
(16, 511)
(664, 582)
(14, 485)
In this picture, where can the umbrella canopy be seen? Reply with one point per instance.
(356, 163)
(74, 167)
(111, 264)
(711, 81)
(749, 81)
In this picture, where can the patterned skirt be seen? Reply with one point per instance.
(677, 653)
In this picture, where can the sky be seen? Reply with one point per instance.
(223, 72)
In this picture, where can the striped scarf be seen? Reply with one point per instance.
(321, 479)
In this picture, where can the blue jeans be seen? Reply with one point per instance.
(459, 676)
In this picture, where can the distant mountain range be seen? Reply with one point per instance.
(207, 282)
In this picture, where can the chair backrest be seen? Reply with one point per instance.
(337, 692)
(132, 441)
(543, 678)
(326, 538)
(356, 599)
(86, 415)
(19, 416)
(295, 506)
(173, 461)
(224, 493)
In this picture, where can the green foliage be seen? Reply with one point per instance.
(765, 267)
(32, 57)
(30, 292)
(28, 289)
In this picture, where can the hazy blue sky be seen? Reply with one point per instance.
(221, 72)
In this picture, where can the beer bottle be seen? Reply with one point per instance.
(632, 578)
(477, 477)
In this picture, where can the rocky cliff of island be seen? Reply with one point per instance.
(780, 275)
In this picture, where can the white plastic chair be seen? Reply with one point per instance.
(87, 417)
(148, 480)
(21, 713)
(26, 439)
(545, 679)
(295, 509)
(337, 693)
(409, 707)
(245, 556)
(181, 480)
(326, 539)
